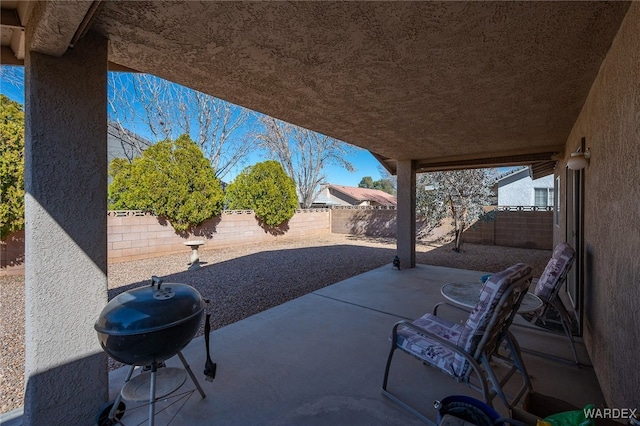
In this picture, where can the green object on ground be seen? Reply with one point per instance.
(571, 418)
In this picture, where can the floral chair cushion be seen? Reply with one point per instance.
(465, 336)
(476, 325)
(427, 349)
(555, 269)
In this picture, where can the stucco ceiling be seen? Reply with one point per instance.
(445, 83)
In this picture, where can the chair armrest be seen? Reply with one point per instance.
(460, 308)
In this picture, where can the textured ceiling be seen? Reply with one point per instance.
(444, 83)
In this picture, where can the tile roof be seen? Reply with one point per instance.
(367, 194)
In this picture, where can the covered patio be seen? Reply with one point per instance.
(422, 85)
(319, 360)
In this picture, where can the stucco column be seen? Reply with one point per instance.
(406, 214)
(66, 233)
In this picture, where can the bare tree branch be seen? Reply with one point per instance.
(13, 75)
(303, 154)
(167, 110)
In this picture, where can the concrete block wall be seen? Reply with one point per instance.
(525, 229)
(364, 221)
(12, 254)
(481, 232)
(134, 237)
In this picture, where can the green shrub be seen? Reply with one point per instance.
(170, 179)
(266, 189)
(11, 166)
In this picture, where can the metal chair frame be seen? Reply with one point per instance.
(480, 361)
(566, 320)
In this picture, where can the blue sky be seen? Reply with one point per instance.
(364, 163)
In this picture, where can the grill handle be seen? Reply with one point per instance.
(156, 280)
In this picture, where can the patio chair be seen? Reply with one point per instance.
(465, 351)
(552, 315)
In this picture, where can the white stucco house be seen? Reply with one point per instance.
(518, 188)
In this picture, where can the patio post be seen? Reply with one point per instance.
(66, 373)
(406, 213)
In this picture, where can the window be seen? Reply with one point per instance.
(543, 197)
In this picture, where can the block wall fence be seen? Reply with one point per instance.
(135, 235)
(357, 220)
(521, 228)
(12, 254)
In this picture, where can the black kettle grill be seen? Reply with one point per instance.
(144, 327)
(150, 324)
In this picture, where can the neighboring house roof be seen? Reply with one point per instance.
(123, 143)
(365, 194)
(513, 175)
(325, 200)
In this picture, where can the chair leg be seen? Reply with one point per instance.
(408, 408)
(565, 322)
(394, 398)
(516, 354)
(386, 370)
(566, 325)
(514, 361)
(496, 385)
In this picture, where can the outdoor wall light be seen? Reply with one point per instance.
(579, 160)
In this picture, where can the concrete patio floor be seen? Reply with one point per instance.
(319, 360)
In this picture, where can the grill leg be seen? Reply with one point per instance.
(152, 394)
(193, 377)
(114, 409)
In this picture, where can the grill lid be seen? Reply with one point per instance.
(147, 309)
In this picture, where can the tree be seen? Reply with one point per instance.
(168, 110)
(170, 179)
(385, 184)
(266, 189)
(303, 154)
(11, 166)
(458, 194)
(429, 204)
(366, 182)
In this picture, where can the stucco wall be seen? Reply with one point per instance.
(66, 374)
(521, 192)
(610, 122)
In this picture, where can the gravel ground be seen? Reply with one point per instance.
(242, 281)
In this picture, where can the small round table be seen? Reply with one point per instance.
(194, 261)
(467, 294)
